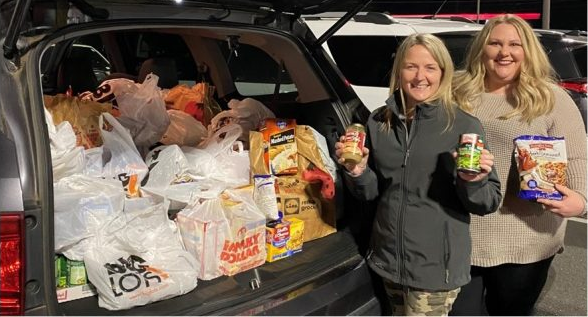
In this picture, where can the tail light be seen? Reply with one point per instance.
(579, 87)
(12, 264)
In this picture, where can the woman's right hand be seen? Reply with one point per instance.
(353, 169)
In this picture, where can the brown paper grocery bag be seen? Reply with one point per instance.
(298, 198)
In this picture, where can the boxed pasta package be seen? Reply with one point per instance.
(283, 238)
(541, 163)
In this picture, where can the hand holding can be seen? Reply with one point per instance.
(351, 151)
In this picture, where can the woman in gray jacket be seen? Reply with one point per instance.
(420, 243)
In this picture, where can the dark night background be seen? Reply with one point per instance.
(565, 14)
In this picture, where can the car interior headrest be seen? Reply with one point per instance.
(165, 68)
(77, 72)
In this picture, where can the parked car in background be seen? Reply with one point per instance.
(242, 48)
(364, 49)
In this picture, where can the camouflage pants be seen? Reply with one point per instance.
(407, 301)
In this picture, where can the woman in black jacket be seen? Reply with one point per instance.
(420, 243)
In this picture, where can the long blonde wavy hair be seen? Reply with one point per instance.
(441, 55)
(532, 94)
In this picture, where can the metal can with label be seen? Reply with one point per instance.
(60, 271)
(354, 143)
(469, 152)
(76, 273)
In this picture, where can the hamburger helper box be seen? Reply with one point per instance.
(283, 238)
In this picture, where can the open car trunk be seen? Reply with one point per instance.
(329, 277)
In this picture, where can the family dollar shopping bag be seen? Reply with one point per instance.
(226, 234)
(204, 229)
(138, 258)
(308, 195)
(244, 249)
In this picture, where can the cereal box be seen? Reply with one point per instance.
(284, 238)
(541, 163)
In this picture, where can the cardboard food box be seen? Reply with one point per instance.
(284, 238)
(75, 292)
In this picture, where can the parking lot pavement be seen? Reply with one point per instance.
(565, 291)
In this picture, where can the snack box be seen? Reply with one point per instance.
(284, 238)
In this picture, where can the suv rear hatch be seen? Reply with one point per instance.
(328, 278)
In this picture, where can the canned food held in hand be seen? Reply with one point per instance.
(354, 143)
(469, 152)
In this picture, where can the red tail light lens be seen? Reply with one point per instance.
(12, 269)
(574, 86)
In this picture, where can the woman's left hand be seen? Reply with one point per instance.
(486, 163)
(571, 205)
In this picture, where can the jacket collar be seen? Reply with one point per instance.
(423, 110)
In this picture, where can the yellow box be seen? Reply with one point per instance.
(284, 239)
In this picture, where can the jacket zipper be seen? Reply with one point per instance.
(447, 251)
(400, 224)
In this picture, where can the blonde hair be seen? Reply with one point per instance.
(532, 95)
(439, 51)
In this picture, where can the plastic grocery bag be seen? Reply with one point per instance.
(81, 205)
(183, 129)
(125, 163)
(143, 112)
(179, 179)
(204, 228)
(246, 247)
(66, 158)
(138, 258)
(247, 113)
(234, 165)
(226, 234)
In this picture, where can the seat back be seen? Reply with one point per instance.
(165, 68)
(77, 72)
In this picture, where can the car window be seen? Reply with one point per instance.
(137, 47)
(365, 60)
(371, 65)
(254, 71)
(580, 56)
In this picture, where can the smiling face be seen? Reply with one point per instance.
(503, 56)
(420, 75)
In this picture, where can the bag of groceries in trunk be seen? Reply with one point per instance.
(308, 193)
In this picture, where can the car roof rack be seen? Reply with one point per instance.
(375, 17)
(451, 18)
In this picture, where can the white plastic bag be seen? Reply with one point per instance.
(167, 166)
(146, 108)
(247, 113)
(222, 140)
(138, 258)
(226, 233)
(204, 229)
(125, 163)
(234, 165)
(81, 205)
(66, 158)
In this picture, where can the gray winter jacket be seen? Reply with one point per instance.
(421, 232)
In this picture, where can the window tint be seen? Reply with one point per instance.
(254, 71)
(137, 47)
(580, 56)
(367, 60)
